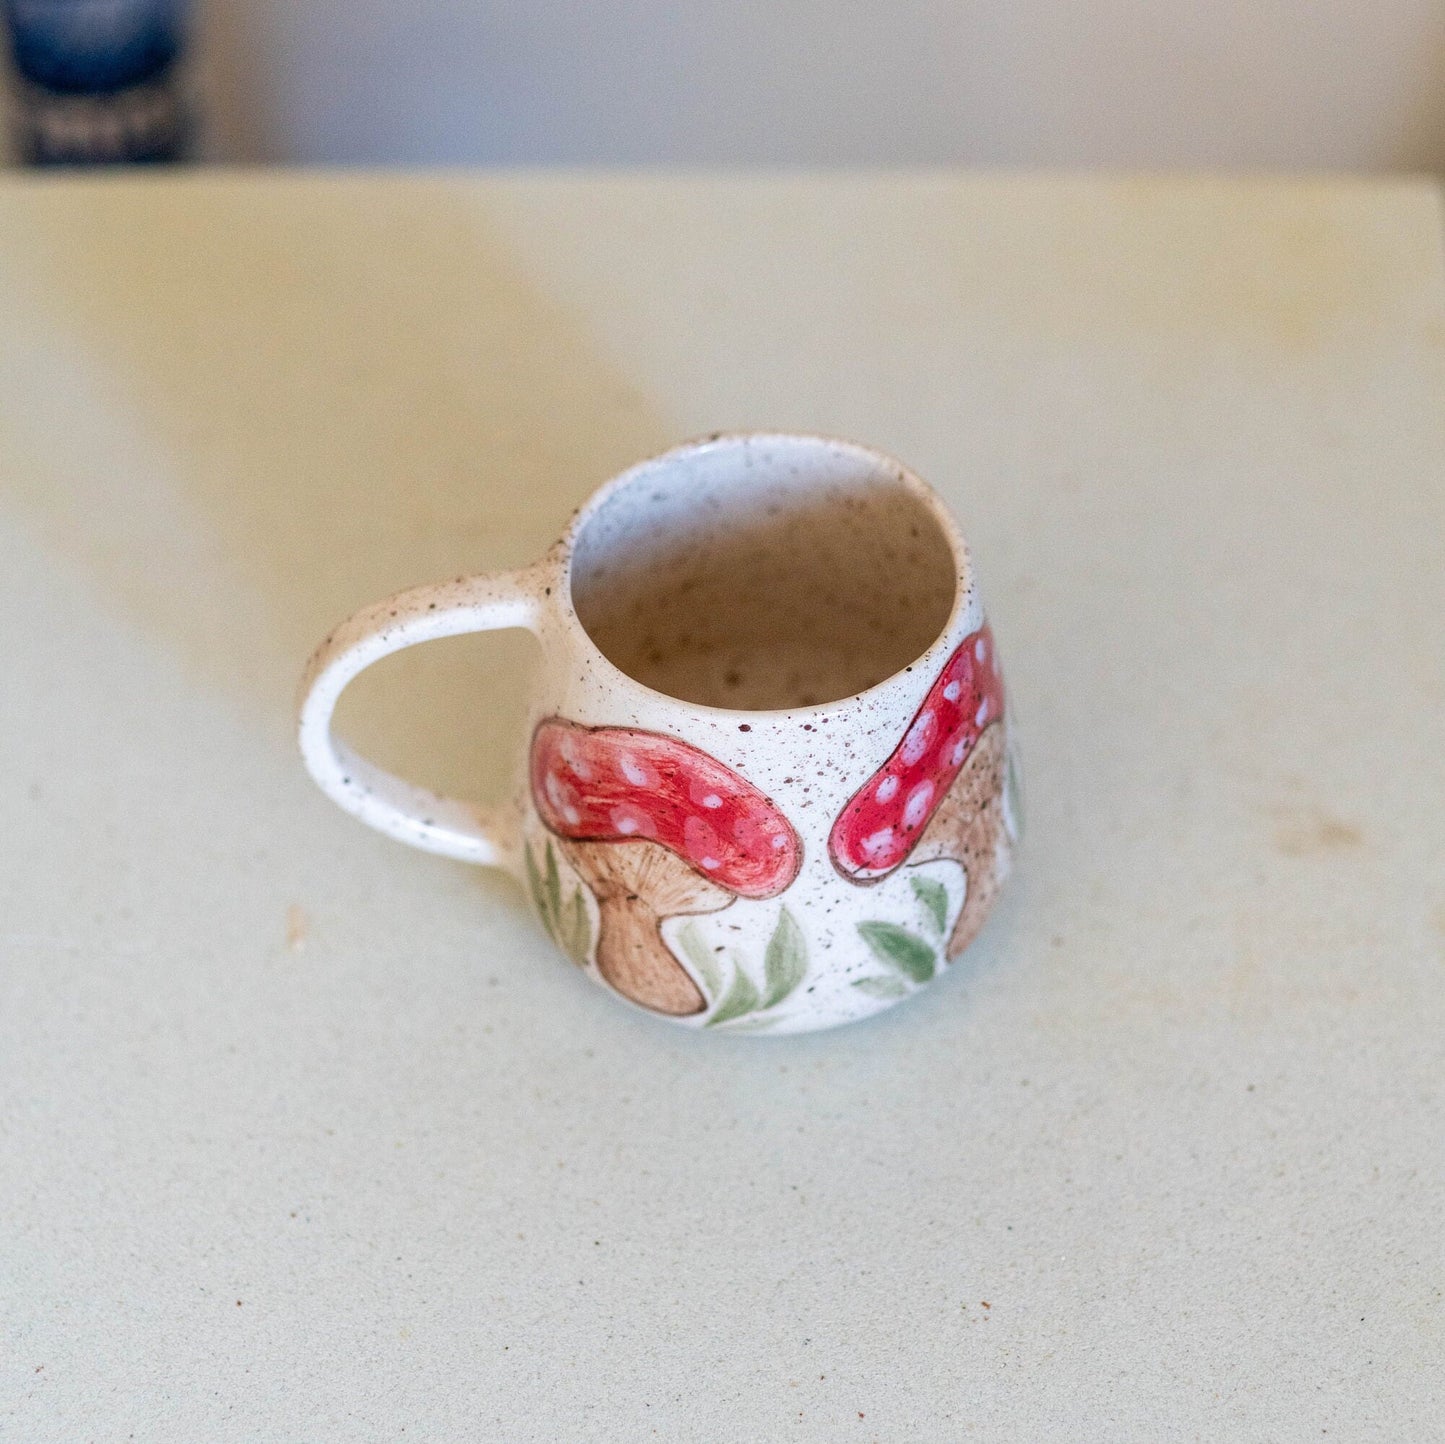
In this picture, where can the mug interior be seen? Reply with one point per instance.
(765, 572)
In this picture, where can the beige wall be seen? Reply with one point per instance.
(1296, 83)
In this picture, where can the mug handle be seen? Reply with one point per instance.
(465, 830)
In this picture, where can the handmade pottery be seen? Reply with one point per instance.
(768, 784)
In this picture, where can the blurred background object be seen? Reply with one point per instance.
(97, 82)
(1298, 84)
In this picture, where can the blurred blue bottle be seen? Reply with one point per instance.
(98, 82)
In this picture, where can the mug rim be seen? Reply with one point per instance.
(963, 580)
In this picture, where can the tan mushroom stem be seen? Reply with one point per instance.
(968, 828)
(637, 885)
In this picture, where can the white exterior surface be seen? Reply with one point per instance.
(310, 1136)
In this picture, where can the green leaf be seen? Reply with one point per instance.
(553, 890)
(785, 961)
(534, 883)
(934, 897)
(741, 998)
(579, 931)
(756, 1023)
(1013, 790)
(701, 957)
(900, 949)
(890, 987)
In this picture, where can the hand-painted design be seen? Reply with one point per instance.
(743, 1006)
(940, 795)
(933, 898)
(656, 828)
(567, 922)
(1013, 792)
(911, 959)
(886, 818)
(969, 829)
(887, 989)
(704, 961)
(901, 950)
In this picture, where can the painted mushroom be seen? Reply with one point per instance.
(656, 828)
(940, 793)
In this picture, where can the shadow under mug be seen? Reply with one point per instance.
(768, 784)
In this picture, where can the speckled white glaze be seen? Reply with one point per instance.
(829, 948)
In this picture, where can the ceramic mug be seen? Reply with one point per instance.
(768, 784)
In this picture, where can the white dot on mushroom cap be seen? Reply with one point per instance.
(699, 841)
(630, 820)
(712, 800)
(916, 808)
(915, 743)
(980, 649)
(951, 692)
(572, 815)
(876, 844)
(632, 770)
(559, 795)
(780, 841)
(710, 863)
(960, 750)
(580, 768)
(981, 716)
(885, 789)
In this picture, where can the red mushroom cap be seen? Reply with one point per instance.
(886, 816)
(618, 784)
